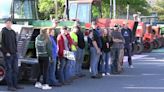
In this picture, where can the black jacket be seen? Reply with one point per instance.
(81, 42)
(127, 34)
(9, 42)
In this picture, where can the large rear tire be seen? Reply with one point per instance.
(2, 74)
(139, 48)
(148, 46)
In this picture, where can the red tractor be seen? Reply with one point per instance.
(82, 10)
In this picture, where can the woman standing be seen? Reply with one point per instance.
(52, 65)
(43, 51)
(105, 53)
(64, 42)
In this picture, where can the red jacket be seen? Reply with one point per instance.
(60, 42)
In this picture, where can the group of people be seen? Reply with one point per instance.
(60, 61)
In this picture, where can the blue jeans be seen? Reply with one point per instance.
(71, 66)
(11, 65)
(104, 66)
(63, 70)
(79, 61)
(94, 61)
(51, 73)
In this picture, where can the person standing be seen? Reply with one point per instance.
(53, 63)
(128, 36)
(95, 51)
(80, 52)
(74, 49)
(9, 50)
(117, 50)
(64, 42)
(43, 47)
(104, 65)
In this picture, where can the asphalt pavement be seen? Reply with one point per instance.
(146, 76)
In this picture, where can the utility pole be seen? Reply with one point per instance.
(56, 8)
(111, 9)
(67, 9)
(127, 11)
(114, 9)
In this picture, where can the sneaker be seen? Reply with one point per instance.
(107, 74)
(38, 85)
(46, 87)
(131, 66)
(103, 74)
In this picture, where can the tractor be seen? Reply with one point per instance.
(27, 26)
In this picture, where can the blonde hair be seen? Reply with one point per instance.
(44, 34)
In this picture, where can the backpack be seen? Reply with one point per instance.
(40, 46)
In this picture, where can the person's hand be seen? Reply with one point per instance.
(107, 45)
(98, 51)
(50, 60)
(8, 54)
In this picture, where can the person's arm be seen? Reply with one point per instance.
(49, 48)
(131, 35)
(95, 44)
(60, 47)
(5, 49)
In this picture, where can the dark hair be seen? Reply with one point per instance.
(64, 28)
(8, 19)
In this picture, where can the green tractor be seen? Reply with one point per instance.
(27, 26)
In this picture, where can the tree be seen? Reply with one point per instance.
(47, 8)
(135, 6)
(159, 8)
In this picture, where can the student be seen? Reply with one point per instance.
(117, 50)
(43, 51)
(52, 65)
(9, 50)
(105, 53)
(64, 42)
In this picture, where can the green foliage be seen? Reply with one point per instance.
(135, 6)
(159, 8)
(47, 8)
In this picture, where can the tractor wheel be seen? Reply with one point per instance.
(148, 46)
(139, 48)
(2, 74)
(155, 44)
(162, 41)
(159, 43)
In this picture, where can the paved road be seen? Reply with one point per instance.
(147, 76)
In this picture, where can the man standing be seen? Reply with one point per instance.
(9, 49)
(80, 52)
(117, 50)
(127, 34)
(95, 50)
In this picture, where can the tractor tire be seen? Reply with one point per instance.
(159, 43)
(162, 41)
(139, 48)
(155, 44)
(148, 46)
(2, 74)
